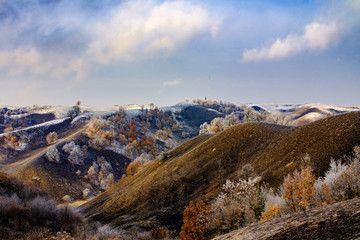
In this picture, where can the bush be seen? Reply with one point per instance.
(273, 211)
(132, 168)
(195, 221)
(299, 189)
(69, 220)
(43, 212)
(76, 154)
(93, 172)
(74, 112)
(52, 154)
(234, 206)
(219, 124)
(159, 233)
(51, 137)
(27, 212)
(340, 182)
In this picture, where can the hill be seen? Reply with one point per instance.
(63, 178)
(27, 159)
(196, 170)
(335, 221)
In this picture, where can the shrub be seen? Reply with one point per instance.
(69, 221)
(144, 158)
(74, 111)
(93, 172)
(43, 211)
(52, 154)
(219, 124)
(299, 189)
(16, 217)
(76, 154)
(96, 126)
(234, 206)
(340, 182)
(132, 168)
(159, 233)
(351, 177)
(28, 211)
(195, 221)
(273, 211)
(51, 137)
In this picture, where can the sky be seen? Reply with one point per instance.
(113, 52)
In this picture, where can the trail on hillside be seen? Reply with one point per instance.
(16, 166)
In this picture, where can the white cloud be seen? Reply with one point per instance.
(171, 83)
(24, 60)
(21, 59)
(140, 29)
(317, 36)
(64, 43)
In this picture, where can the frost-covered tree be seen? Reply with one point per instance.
(234, 206)
(76, 154)
(219, 124)
(52, 154)
(51, 137)
(93, 172)
(144, 158)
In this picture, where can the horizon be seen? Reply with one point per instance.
(113, 52)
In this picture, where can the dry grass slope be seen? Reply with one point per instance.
(336, 221)
(196, 170)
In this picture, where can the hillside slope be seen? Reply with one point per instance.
(64, 178)
(196, 170)
(336, 221)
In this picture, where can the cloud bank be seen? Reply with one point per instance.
(138, 30)
(59, 40)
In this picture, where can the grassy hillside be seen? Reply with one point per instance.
(197, 169)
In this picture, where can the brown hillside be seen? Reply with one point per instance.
(337, 221)
(197, 169)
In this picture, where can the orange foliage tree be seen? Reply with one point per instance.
(132, 169)
(132, 133)
(299, 189)
(272, 212)
(195, 222)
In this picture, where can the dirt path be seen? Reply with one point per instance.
(16, 166)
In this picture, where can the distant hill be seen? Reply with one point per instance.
(196, 170)
(28, 161)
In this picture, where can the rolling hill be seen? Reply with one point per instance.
(28, 161)
(64, 178)
(156, 196)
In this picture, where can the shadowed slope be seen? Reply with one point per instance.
(197, 169)
(60, 179)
